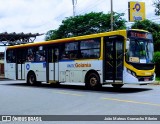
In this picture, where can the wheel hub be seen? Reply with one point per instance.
(93, 81)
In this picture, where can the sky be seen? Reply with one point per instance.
(40, 16)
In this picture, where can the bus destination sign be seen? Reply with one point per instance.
(139, 34)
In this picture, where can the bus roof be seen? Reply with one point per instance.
(117, 32)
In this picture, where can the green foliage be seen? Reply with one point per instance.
(51, 35)
(156, 4)
(157, 57)
(86, 24)
(157, 62)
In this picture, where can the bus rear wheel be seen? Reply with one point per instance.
(31, 79)
(93, 81)
(117, 86)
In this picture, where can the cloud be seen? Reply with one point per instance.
(40, 16)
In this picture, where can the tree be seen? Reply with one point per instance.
(51, 35)
(86, 24)
(156, 4)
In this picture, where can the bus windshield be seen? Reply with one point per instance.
(140, 50)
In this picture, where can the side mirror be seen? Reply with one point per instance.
(127, 43)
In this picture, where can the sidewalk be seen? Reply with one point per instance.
(157, 83)
(2, 76)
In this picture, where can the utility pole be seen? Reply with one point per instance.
(74, 3)
(111, 15)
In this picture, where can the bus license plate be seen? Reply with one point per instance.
(146, 79)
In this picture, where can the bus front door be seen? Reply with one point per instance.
(113, 59)
(53, 66)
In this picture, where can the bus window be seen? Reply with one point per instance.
(90, 48)
(21, 56)
(30, 55)
(53, 55)
(10, 57)
(40, 54)
(70, 51)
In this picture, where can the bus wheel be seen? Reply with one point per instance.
(93, 81)
(117, 86)
(31, 79)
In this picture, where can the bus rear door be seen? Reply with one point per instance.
(53, 66)
(21, 57)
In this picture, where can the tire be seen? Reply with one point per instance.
(117, 86)
(31, 79)
(93, 81)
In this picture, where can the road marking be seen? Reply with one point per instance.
(129, 101)
(69, 93)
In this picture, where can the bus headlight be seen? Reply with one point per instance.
(131, 72)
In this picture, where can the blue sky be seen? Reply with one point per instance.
(40, 16)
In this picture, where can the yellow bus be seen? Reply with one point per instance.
(117, 58)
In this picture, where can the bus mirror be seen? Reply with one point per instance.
(127, 43)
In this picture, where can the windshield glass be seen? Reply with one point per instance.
(140, 51)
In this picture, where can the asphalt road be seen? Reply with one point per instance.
(16, 98)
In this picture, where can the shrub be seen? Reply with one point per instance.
(156, 59)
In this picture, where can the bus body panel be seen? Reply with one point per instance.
(21, 71)
(53, 72)
(128, 78)
(76, 71)
(10, 69)
(38, 68)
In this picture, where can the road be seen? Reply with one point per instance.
(16, 98)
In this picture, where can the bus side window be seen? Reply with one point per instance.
(11, 56)
(30, 58)
(53, 55)
(40, 55)
(56, 55)
(70, 51)
(90, 48)
(30, 55)
(65, 56)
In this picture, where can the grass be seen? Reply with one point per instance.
(157, 82)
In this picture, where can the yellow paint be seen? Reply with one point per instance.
(52, 82)
(130, 101)
(140, 72)
(72, 94)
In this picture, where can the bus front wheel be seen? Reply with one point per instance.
(93, 81)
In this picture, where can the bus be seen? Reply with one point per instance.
(116, 58)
